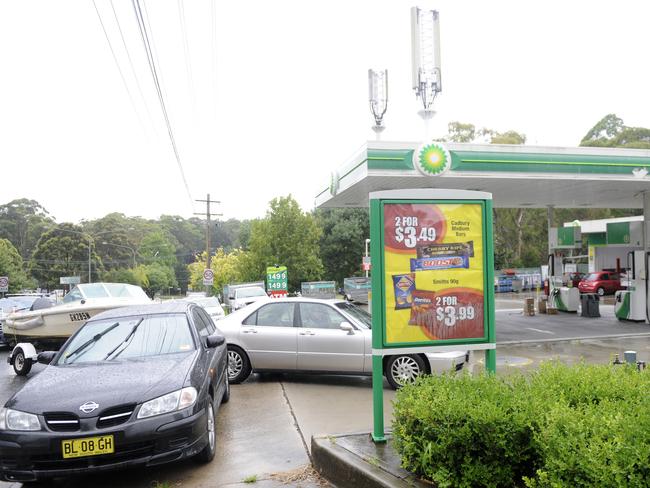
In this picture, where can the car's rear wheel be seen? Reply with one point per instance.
(207, 454)
(401, 370)
(22, 365)
(239, 367)
(600, 291)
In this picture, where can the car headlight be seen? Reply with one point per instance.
(16, 420)
(176, 400)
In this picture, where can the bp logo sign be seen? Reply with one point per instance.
(431, 159)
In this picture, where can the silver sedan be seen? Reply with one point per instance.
(317, 336)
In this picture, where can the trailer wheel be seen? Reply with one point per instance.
(22, 365)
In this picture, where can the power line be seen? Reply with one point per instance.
(186, 51)
(128, 55)
(213, 36)
(156, 80)
(110, 45)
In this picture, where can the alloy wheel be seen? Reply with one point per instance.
(405, 369)
(235, 364)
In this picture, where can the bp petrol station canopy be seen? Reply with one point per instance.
(517, 176)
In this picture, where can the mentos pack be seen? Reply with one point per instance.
(404, 285)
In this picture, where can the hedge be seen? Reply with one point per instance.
(581, 425)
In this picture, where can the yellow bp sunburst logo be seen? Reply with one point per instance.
(431, 159)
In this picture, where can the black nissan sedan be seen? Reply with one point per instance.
(134, 386)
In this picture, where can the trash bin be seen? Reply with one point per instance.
(590, 305)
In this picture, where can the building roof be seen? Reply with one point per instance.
(516, 175)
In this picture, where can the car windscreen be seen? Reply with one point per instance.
(250, 292)
(592, 277)
(358, 313)
(129, 337)
(208, 302)
(16, 303)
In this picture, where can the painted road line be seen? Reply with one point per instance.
(540, 330)
(509, 310)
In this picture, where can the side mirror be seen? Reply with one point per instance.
(45, 357)
(347, 326)
(215, 340)
(231, 297)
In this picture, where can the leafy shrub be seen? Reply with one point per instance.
(561, 426)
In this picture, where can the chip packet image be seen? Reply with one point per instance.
(403, 285)
(423, 309)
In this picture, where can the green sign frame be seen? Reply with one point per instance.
(381, 347)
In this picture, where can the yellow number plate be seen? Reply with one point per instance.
(88, 446)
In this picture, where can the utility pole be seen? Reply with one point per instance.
(207, 228)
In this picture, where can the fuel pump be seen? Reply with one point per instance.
(632, 303)
(563, 298)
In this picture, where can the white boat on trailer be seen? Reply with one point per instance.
(31, 330)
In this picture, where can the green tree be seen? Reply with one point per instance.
(11, 266)
(229, 267)
(459, 132)
(122, 275)
(342, 243)
(157, 247)
(22, 222)
(290, 237)
(610, 131)
(63, 251)
(160, 278)
(463, 132)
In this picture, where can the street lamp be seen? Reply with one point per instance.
(124, 247)
(425, 50)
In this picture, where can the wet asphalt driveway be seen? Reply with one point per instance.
(263, 433)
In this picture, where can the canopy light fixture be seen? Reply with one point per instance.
(425, 49)
(378, 96)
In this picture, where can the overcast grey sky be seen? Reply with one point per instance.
(283, 102)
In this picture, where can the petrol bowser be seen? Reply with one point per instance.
(631, 303)
(563, 298)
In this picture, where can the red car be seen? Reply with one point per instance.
(573, 278)
(601, 282)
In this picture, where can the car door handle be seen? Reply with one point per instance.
(249, 331)
(307, 332)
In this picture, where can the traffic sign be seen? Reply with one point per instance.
(69, 280)
(4, 284)
(208, 277)
(365, 264)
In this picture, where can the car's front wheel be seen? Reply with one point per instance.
(600, 291)
(22, 365)
(226, 392)
(401, 370)
(239, 367)
(207, 454)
